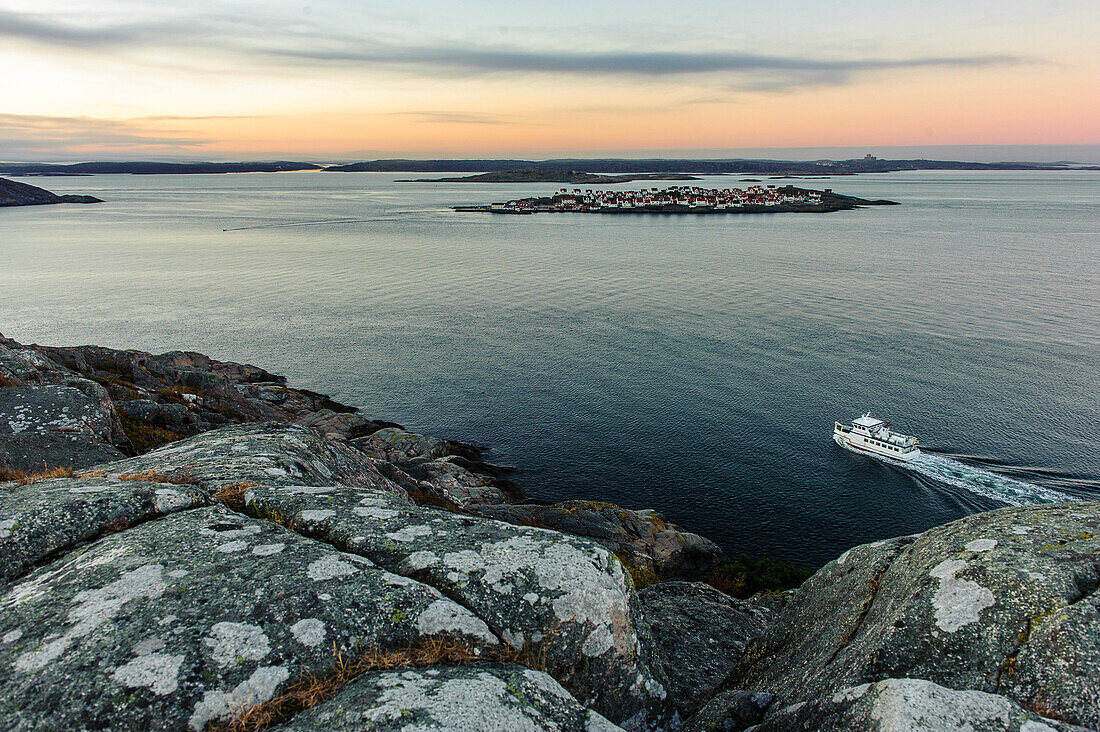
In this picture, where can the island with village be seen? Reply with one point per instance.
(681, 199)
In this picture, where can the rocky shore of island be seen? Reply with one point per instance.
(190, 544)
(682, 200)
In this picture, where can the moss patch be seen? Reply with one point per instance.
(745, 576)
(145, 437)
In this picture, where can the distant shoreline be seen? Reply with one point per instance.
(601, 166)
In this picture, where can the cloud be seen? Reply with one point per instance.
(277, 42)
(652, 63)
(36, 137)
(453, 118)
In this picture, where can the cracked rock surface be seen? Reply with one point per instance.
(184, 620)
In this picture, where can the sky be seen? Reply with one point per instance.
(334, 80)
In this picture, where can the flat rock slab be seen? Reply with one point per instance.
(912, 705)
(186, 619)
(1004, 602)
(563, 598)
(696, 636)
(267, 452)
(54, 425)
(480, 698)
(41, 519)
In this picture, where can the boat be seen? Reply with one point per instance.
(873, 436)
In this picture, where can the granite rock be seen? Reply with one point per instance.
(196, 616)
(1002, 602)
(908, 705)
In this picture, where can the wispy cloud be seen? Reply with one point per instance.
(654, 63)
(453, 118)
(25, 137)
(274, 42)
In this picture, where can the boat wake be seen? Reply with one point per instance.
(978, 480)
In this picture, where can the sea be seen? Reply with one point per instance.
(690, 364)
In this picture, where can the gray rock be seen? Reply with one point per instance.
(729, 711)
(649, 544)
(406, 445)
(480, 698)
(54, 426)
(909, 705)
(269, 452)
(1002, 602)
(696, 636)
(561, 599)
(41, 519)
(194, 616)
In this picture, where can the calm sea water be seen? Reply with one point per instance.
(690, 364)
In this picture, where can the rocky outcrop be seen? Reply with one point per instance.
(13, 193)
(268, 555)
(696, 637)
(1003, 603)
(652, 547)
(226, 609)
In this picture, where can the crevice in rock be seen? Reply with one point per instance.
(868, 603)
(110, 529)
(258, 512)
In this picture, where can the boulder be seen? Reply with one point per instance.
(479, 698)
(45, 518)
(563, 601)
(696, 636)
(912, 705)
(651, 546)
(197, 616)
(1002, 602)
(55, 425)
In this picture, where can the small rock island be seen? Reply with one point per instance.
(683, 200)
(14, 193)
(189, 544)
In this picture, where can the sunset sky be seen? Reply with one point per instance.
(341, 79)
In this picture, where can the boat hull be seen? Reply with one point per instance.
(857, 444)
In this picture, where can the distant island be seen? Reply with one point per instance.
(13, 193)
(533, 175)
(675, 167)
(151, 168)
(683, 200)
(622, 166)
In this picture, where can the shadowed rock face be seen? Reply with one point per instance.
(506, 697)
(696, 636)
(56, 425)
(1002, 602)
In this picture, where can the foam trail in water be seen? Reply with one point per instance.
(976, 480)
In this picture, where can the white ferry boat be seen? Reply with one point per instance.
(872, 435)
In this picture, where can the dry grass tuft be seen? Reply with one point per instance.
(310, 690)
(152, 476)
(232, 495)
(428, 498)
(22, 477)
